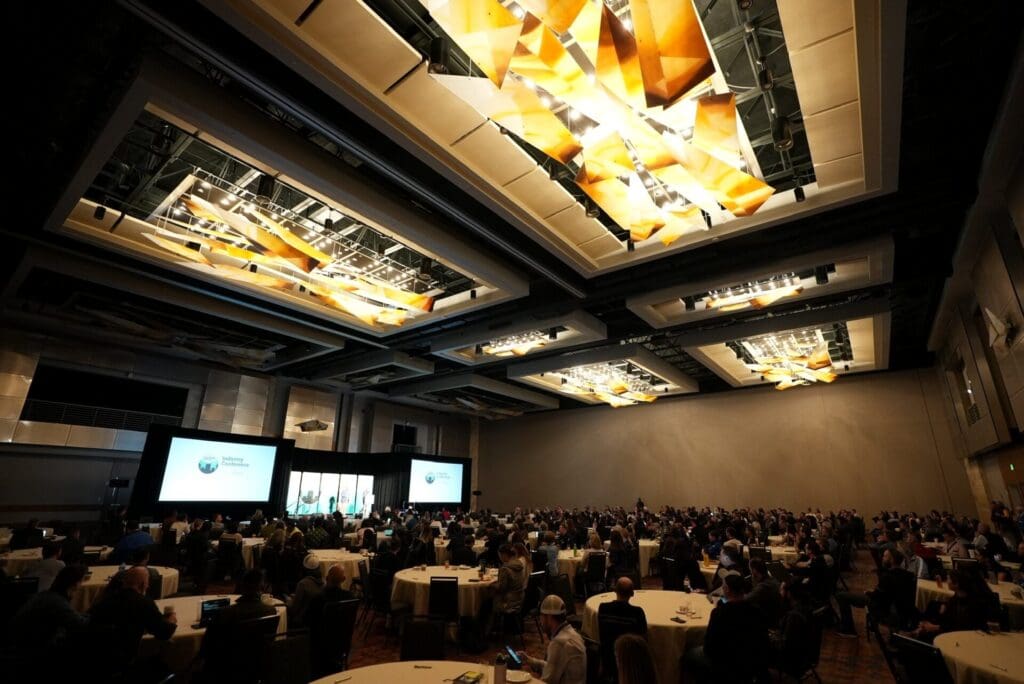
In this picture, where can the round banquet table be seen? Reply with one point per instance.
(947, 562)
(250, 552)
(413, 672)
(93, 585)
(21, 561)
(412, 587)
(979, 658)
(568, 564)
(648, 549)
(441, 549)
(1009, 595)
(668, 640)
(180, 650)
(347, 560)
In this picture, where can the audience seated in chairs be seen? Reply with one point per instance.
(550, 550)
(46, 623)
(765, 594)
(894, 594)
(969, 608)
(47, 568)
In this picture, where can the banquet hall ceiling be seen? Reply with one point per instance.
(878, 254)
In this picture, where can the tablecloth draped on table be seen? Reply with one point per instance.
(93, 586)
(412, 587)
(1009, 595)
(979, 658)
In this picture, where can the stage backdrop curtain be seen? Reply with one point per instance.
(390, 489)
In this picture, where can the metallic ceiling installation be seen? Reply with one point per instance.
(624, 100)
(519, 344)
(615, 383)
(791, 359)
(756, 295)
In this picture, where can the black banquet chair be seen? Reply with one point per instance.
(331, 641)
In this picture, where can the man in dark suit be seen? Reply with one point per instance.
(766, 595)
(734, 621)
(616, 618)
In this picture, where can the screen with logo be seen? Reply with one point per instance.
(211, 470)
(435, 482)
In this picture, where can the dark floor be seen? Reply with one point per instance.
(842, 660)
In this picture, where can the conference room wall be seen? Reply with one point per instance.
(870, 442)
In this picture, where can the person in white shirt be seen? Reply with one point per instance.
(566, 661)
(47, 568)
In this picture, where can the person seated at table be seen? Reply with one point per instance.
(47, 620)
(386, 558)
(814, 570)
(728, 564)
(734, 626)
(139, 558)
(249, 605)
(913, 563)
(714, 547)
(566, 659)
(895, 591)
(967, 609)
(134, 538)
(523, 553)
(621, 607)
(128, 613)
(421, 549)
(72, 552)
(47, 568)
(766, 594)
(618, 552)
(180, 526)
(231, 533)
(28, 537)
(332, 592)
(311, 584)
(796, 629)
(956, 543)
(732, 540)
(989, 566)
(550, 551)
(509, 589)
(633, 660)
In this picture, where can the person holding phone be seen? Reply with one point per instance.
(566, 658)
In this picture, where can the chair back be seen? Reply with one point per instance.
(920, 663)
(597, 566)
(671, 578)
(534, 590)
(559, 586)
(444, 599)
(593, 650)
(760, 553)
(777, 570)
(380, 590)
(422, 639)
(290, 659)
(333, 645)
(610, 628)
(370, 539)
(223, 642)
(539, 560)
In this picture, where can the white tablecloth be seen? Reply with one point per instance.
(668, 640)
(21, 561)
(347, 560)
(648, 549)
(412, 587)
(569, 564)
(183, 646)
(979, 658)
(928, 591)
(249, 549)
(92, 586)
(415, 672)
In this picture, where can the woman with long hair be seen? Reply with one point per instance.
(633, 660)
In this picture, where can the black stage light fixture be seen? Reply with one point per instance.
(553, 334)
(744, 5)
(765, 79)
(426, 264)
(593, 211)
(265, 188)
(328, 223)
(782, 133)
(707, 219)
(846, 367)
(821, 275)
(630, 246)
(798, 193)
(689, 304)
(99, 212)
(472, 294)
(479, 349)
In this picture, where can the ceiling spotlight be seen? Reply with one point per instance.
(328, 223)
(689, 304)
(479, 349)
(99, 212)
(821, 275)
(798, 193)
(426, 264)
(439, 51)
(553, 334)
(265, 189)
(782, 132)
(846, 367)
(593, 211)
(630, 246)
(472, 294)
(744, 5)
(765, 79)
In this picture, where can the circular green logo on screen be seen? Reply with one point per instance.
(208, 464)
(429, 477)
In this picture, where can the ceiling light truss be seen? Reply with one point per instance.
(799, 357)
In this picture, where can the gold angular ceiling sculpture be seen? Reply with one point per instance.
(791, 359)
(615, 97)
(250, 245)
(615, 384)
